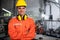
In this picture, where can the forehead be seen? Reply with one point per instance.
(21, 7)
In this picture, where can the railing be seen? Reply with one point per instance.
(50, 27)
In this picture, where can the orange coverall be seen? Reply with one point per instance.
(21, 30)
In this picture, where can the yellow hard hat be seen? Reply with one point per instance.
(21, 3)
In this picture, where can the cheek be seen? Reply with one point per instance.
(25, 10)
(18, 10)
(21, 11)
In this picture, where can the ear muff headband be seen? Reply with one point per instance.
(22, 18)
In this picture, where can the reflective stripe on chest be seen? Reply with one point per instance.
(17, 24)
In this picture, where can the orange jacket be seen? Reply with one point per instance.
(21, 30)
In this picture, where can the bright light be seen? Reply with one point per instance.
(43, 15)
(6, 10)
(56, 1)
(46, 17)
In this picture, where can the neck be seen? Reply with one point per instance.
(22, 15)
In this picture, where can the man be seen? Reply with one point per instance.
(21, 27)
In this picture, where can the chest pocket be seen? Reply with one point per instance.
(18, 27)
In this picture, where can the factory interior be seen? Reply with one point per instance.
(46, 15)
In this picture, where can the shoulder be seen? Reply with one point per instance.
(30, 19)
(13, 18)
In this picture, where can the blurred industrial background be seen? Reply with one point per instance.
(46, 14)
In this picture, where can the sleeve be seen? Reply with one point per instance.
(12, 31)
(31, 34)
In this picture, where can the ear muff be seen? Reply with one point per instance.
(22, 18)
(19, 17)
(25, 17)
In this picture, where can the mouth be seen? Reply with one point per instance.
(21, 13)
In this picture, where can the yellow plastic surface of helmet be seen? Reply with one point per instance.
(21, 3)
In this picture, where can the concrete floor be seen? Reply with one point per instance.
(37, 37)
(46, 37)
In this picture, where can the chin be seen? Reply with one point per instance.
(22, 14)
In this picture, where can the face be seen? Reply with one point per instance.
(21, 10)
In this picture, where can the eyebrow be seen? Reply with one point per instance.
(21, 6)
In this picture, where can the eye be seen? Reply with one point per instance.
(19, 8)
(23, 8)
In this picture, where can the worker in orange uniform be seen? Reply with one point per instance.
(21, 27)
